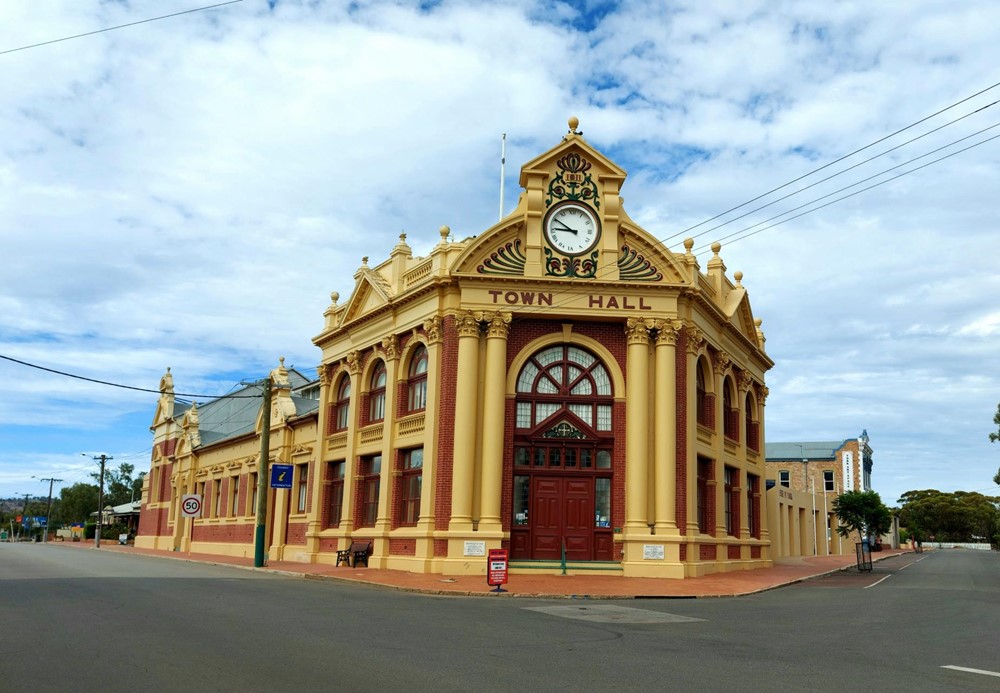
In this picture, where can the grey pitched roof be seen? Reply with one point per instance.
(235, 414)
(823, 450)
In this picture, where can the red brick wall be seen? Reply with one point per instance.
(402, 547)
(224, 533)
(706, 552)
(296, 533)
(153, 522)
(440, 547)
(754, 552)
(734, 552)
(446, 426)
(328, 545)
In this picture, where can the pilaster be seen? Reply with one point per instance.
(497, 328)
(464, 464)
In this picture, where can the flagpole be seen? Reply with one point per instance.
(503, 158)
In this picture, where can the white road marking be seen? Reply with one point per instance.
(875, 583)
(909, 564)
(972, 671)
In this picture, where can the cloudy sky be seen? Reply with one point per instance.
(187, 192)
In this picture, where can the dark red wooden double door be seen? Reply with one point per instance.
(561, 510)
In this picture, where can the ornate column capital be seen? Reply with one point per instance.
(667, 331)
(764, 392)
(695, 338)
(467, 324)
(636, 331)
(745, 382)
(353, 360)
(432, 328)
(390, 347)
(323, 370)
(721, 362)
(497, 323)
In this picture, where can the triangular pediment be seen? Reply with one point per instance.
(371, 292)
(738, 310)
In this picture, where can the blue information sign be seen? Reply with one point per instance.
(281, 476)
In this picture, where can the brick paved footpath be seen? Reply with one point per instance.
(786, 571)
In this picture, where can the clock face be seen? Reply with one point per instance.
(572, 228)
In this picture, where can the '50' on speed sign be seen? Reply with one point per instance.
(191, 506)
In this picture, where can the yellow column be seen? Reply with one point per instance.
(719, 366)
(350, 463)
(695, 340)
(744, 387)
(318, 461)
(497, 327)
(387, 477)
(765, 533)
(432, 329)
(665, 427)
(466, 391)
(636, 426)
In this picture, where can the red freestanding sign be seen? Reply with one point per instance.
(496, 568)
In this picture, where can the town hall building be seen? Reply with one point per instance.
(560, 385)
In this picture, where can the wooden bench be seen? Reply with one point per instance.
(357, 551)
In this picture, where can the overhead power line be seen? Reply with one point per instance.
(124, 387)
(120, 26)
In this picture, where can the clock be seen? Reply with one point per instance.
(571, 228)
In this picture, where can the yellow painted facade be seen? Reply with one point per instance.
(560, 385)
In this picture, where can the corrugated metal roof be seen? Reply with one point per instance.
(823, 450)
(231, 416)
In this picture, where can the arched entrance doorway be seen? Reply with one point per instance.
(563, 446)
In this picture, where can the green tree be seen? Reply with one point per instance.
(958, 516)
(76, 502)
(862, 512)
(118, 484)
(995, 437)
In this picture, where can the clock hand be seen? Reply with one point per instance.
(565, 227)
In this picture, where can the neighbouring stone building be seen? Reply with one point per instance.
(561, 385)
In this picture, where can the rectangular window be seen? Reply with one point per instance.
(704, 473)
(233, 505)
(371, 468)
(784, 478)
(200, 490)
(413, 463)
(417, 396)
(524, 415)
(521, 485)
(336, 476)
(216, 497)
(521, 457)
(828, 480)
(603, 417)
(732, 508)
(302, 480)
(753, 514)
(602, 502)
(252, 494)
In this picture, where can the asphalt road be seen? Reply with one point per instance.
(73, 620)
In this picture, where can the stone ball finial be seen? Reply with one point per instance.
(281, 360)
(758, 321)
(574, 123)
(402, 238)
(688, 244)
(444, 231)
(716, 247)
(334, 297)
(738, 276)
(364, 260)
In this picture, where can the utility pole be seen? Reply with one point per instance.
(263, 463)
(48, 508)
(100, 497)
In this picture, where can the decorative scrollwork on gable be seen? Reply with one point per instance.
(573, 182)
(563, 430)
(579, 267)
(635, 267)
(507, 259)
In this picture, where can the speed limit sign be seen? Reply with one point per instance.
(191, 506)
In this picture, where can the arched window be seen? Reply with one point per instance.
(730, 413)
(564, 377)
(376, 393)
(416, 384)
(342, 405)
(706, 402)
(752, 428)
